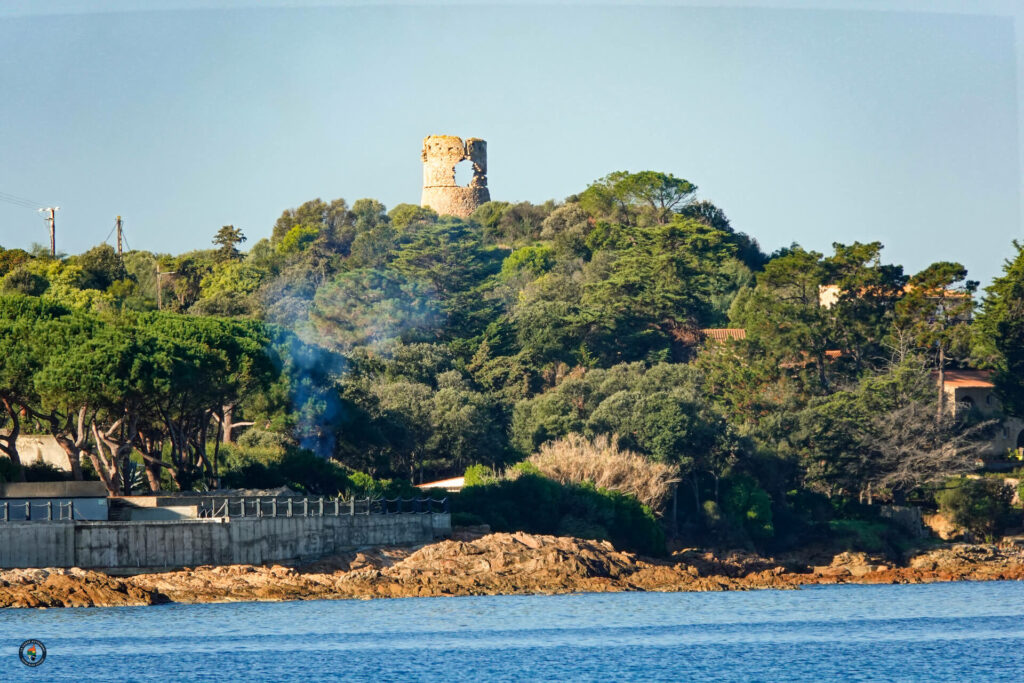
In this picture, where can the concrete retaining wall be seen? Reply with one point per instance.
(190, 543)
(41, 448)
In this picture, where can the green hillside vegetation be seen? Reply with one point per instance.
(357, 344)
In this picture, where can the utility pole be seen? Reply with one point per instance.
(159, 286)
(51, 219)
(120, 250)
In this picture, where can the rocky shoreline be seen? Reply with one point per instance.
(497, 564)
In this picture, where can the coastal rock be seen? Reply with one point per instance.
(70, 588)
(496, 564)
(853, 564)
(942, 527)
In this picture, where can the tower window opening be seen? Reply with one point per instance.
(464, 173)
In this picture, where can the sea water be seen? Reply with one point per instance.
(934, 632)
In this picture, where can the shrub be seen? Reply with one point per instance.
(749, 507)
(258, 438)
(799, 518)
(982, 506)
(861, 535)
(298, 469)
(532, 260)
(716, 522)
(478, 475)
(21, 280)
(37, 471)
(363, 485)
(575, 459)
(535, 504)
(466, 519)
(8, 472)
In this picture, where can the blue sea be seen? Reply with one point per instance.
(934, 632)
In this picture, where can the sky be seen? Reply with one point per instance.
(810, 122)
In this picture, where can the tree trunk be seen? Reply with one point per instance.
(177, 479)
(152, 475)
(151, 449)
(182, 470)
(104, 474)
(120, 449)
(675, 510)
(100, 465)
(225, 423)
(942, 381)
(216, 452)
(106, 466)
(207, 467)
(822, 377)
(74, 454)
(226, 420)
(9, 443)
(72, 447)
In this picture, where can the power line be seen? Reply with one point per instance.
(19, 201)
(23, 205)
(15, 198)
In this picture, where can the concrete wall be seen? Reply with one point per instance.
(166, 513)
(37, 544)
(189, 543)
(41, 448)
(53, 489)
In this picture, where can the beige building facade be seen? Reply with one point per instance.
(973, 389)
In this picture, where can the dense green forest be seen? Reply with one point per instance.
(360, 349)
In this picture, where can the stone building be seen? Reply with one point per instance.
(441, 153)
(974, 390)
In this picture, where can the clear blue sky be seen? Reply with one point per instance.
(804, 124)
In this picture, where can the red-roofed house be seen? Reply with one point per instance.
(967, 389)
(722, 334)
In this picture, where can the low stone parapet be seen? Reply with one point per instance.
(147, 545)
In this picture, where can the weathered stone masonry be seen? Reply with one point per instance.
(440, 155)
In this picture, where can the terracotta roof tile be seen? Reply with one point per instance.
(724, 333)
(979, 379)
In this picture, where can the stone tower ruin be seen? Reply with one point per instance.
(440, 155)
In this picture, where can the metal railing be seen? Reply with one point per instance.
(49, 511)
(318, 507)
(37, 512)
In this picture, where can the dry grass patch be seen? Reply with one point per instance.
(576, 459)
